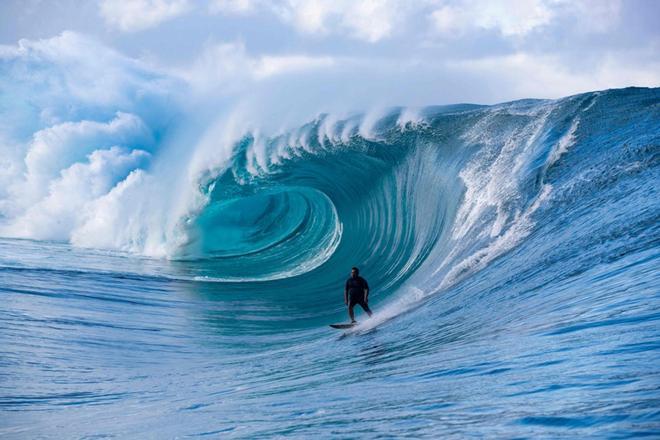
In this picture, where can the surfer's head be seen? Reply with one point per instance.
(355, 272)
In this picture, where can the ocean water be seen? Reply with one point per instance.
(513, 252)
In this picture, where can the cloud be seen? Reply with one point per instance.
(63, 73)
(377, 20)
(509, 17)
(374, 21)
(137, 15)
(229, 67)
(517, 18)
(367, 20)
(267, 66)
(529, 75)
(231, 6)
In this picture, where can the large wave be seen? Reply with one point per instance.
(419, 198)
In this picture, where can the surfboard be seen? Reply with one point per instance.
(343, 325)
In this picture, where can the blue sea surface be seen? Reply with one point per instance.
(513, 254)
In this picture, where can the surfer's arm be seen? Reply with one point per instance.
(346, 293)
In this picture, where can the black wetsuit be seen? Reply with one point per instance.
(356, 287)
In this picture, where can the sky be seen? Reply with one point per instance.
(370, 52)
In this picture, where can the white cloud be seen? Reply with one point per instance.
(377, 20)
(267, 66)
(137, 15)
(368, 20)
(72, 65)
(231, 6)
(509, 17)
(524, 75)
(228, 67)
(515, 18)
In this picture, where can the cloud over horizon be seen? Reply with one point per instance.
(375, 20)
(442, 50)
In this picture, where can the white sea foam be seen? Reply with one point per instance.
(410, 117)
(566, 142)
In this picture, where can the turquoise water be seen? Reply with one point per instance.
(512, 251)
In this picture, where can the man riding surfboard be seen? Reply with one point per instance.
(356, 292)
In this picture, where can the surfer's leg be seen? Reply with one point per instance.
(350, 311)
(366, 308)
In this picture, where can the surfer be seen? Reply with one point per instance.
(356, 292)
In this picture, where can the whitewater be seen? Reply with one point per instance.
(169, 276)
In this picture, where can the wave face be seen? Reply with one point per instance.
(512, 252)
(423, 201)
